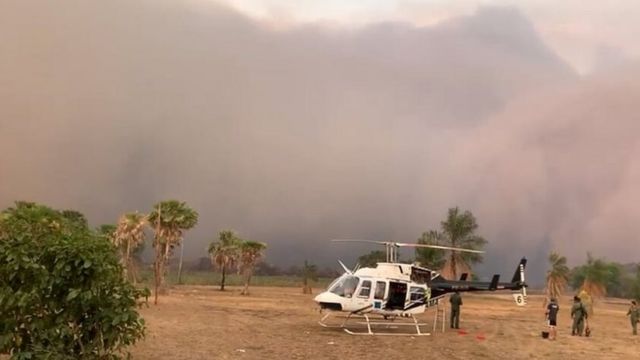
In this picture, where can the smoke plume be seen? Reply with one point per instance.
(296, 136)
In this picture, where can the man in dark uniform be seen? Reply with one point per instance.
(552, 316)
(579, 314)
(456, 302)
(634, 316)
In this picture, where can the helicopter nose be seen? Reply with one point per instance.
(329, 301)
(323, 297)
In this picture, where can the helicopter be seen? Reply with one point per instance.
(394, 290)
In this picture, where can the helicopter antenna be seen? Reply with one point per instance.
(393, 247)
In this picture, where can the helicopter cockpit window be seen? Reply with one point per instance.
(417, 293)
(365, 289)
(345, 286)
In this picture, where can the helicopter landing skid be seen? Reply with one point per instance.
(370, 325)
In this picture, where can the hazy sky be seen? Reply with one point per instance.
(585, 33)
(294, 133)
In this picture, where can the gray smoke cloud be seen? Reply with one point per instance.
(297, 136)
(560, 166)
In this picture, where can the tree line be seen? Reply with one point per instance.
(594, 279)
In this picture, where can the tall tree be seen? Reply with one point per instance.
(63, 295)
(372, 259)
(250, 253)
(169, 219)
(600, 277)
(557, 276)
(128, 236)
(225, 253)
(459, 230)
(431, 258)
(594, 276)
(309, 273)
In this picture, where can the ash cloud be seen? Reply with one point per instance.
(297, 136)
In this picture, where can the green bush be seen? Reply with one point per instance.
(62, 291)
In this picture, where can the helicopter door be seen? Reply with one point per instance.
(379, 294)
(364, 292)
(397, 295)
(381, 288)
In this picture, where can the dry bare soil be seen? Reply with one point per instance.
(200, 322)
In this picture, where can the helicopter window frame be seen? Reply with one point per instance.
(381, 289)
(363, 287)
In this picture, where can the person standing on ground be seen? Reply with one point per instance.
(456, 302)
(552, 316)
(579, 314)
(634, 316)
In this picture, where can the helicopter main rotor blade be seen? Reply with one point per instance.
(364, 241)
(441, 247)
(346, 269)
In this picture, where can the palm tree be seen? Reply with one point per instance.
(250, 253)
(225, 252)
(430, 258)
(309, 273)
(128, 236)
(587, 301)
(557, 276)
(596, 276)
(458, 230)
(169, 219)
(595, 279)
(107, 232)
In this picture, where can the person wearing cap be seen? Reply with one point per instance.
(634, 316)
(552, 316)
(579, 314)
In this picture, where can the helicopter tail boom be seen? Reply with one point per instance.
(440, 286)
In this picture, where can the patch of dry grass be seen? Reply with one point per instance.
(200, 322)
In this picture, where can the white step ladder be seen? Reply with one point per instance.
(440, 309)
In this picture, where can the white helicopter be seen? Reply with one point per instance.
(395, 290)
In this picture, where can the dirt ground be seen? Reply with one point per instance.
(200, 322)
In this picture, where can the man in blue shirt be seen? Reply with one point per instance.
(552, 316)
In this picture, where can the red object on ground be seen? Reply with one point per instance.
(462, 332)
(480, 337)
